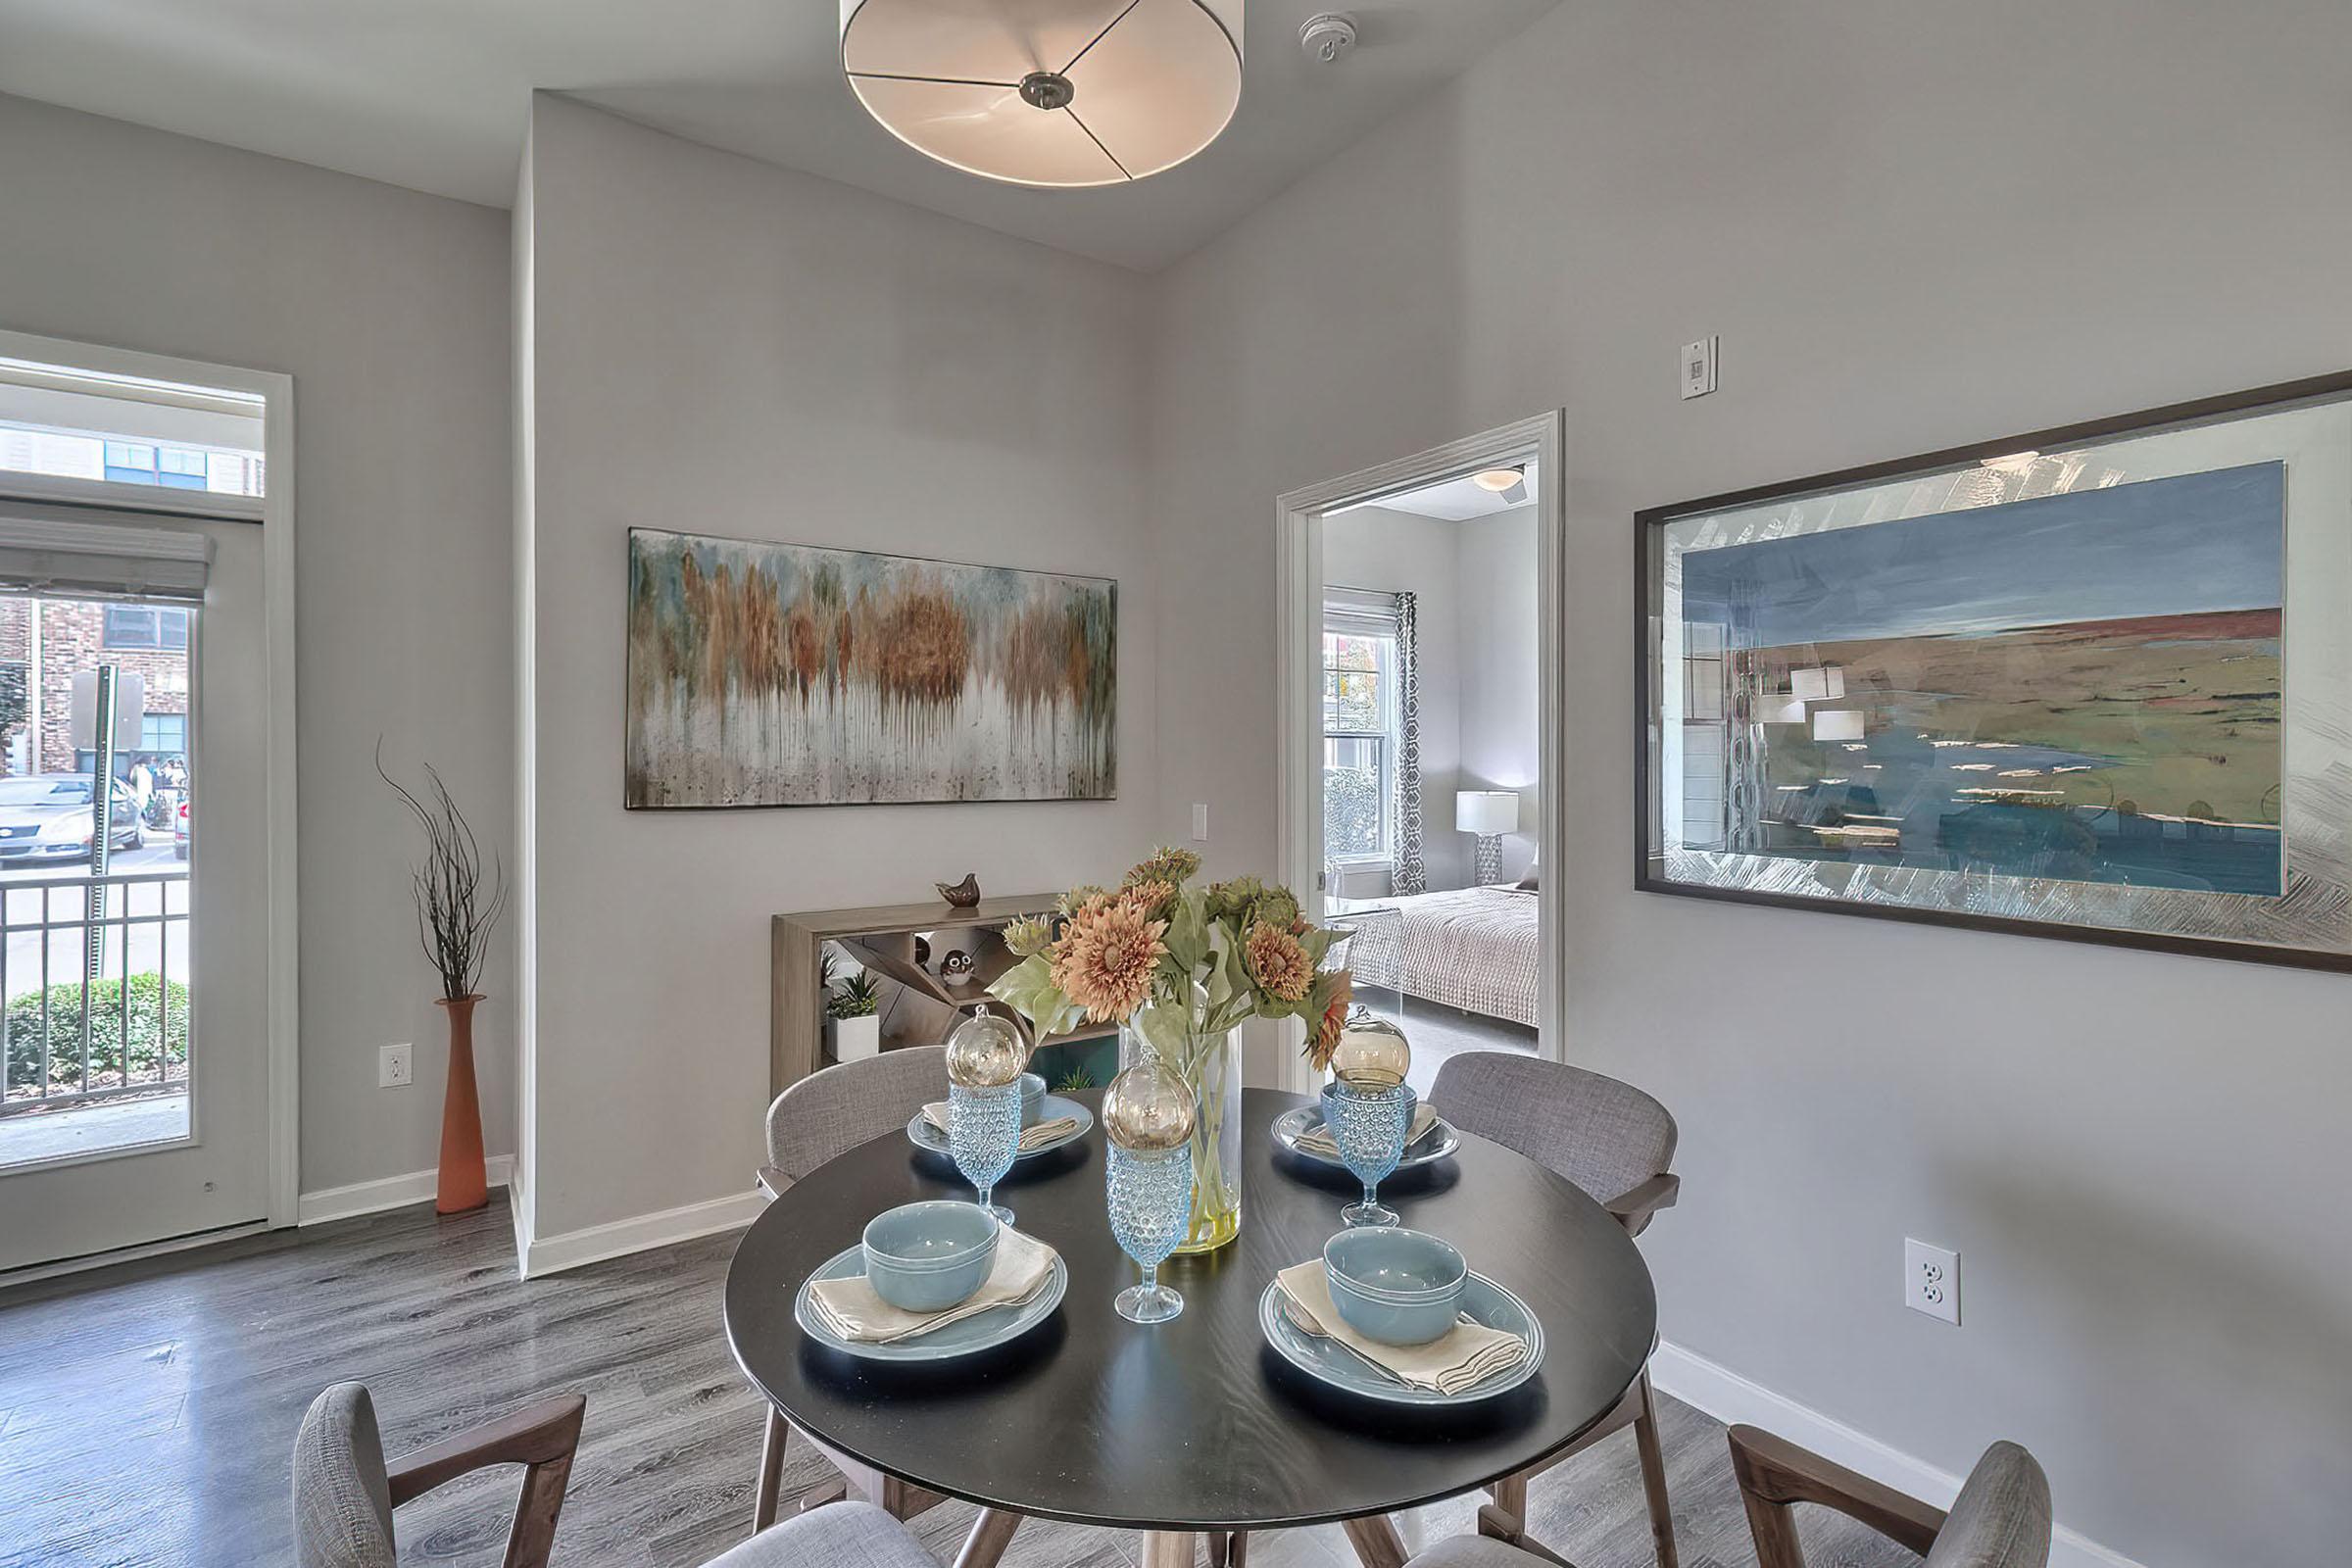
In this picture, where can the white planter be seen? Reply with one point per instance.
(855, 1039)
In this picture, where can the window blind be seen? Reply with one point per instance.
(103, 559)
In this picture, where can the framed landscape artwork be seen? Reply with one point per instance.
(2061, 684)
(769, 674)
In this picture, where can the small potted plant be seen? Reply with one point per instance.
(853, 1022)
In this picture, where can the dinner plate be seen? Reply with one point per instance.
(1433, 1145)
(1330, 1362)
(982, 1330)
(1053, 1108)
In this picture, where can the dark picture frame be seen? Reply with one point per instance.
(2306, 922)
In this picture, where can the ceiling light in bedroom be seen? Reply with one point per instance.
(1498, 480)
(1047, 92)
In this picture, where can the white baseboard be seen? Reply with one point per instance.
(1730, 1398)
(551, 1254)
(389, 1191)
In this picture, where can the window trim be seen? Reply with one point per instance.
(154, 378)
(1348, 618)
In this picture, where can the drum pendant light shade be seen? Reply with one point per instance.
(1047, 92)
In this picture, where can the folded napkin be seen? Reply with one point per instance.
(850, 1308)
(1466, 1355)
(1034, 1137)
(1317, 1139)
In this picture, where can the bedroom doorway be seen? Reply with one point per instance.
(1419, 678)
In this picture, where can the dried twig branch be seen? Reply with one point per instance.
(457, 903)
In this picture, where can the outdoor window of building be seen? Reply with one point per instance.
(151, 626)
(1359, 737)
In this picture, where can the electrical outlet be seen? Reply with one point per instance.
(1931, 1280)
(1199, 822)
(1698, 366)
(393, 1069)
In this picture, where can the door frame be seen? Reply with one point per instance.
(275, 513)
(1299, 628)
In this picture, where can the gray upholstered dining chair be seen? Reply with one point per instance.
(2001, 1518)
(825, 1114)
(1617, 1144)
(833, 1111)
(344, 1493)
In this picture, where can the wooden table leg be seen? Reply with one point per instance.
(771, 1471)
(991, 1534)
(1229, 1550)
(1376, 1541)
(1170, 1548)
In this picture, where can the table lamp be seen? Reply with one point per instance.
(1489, 815)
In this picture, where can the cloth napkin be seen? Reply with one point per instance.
(1317, 1139)
(850, 1308)
(1034, 1137)
(1466, 1355)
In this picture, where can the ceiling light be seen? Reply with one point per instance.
(1498, 480)
(1047, 92)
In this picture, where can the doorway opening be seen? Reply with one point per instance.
(1421, 658)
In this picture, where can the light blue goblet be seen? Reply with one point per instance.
(1150, 1196)
(1369, 1124)
(983, 1133)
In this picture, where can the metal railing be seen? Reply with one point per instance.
(92, 1008)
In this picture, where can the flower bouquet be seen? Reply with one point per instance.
(1178, 968)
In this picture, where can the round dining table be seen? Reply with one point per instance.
(1194, 1427)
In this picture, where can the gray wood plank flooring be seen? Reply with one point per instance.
(147, 1411)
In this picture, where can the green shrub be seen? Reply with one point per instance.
(148, 1042)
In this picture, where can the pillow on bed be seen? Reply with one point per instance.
(1526, 884)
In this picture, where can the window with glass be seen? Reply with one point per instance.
(146, 626)
(1359, 737)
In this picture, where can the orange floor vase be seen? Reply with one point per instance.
(463, 1184)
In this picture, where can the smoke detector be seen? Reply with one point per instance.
(1327, 35)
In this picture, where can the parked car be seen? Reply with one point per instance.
(180, 831)
(47, 817)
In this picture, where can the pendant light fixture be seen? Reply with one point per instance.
(1047, 92)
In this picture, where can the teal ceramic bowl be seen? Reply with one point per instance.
(1398, 1286)
(926, 1257)
(1033, 1095)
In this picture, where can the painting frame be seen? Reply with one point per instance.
(2321, 547)
(1106, 723)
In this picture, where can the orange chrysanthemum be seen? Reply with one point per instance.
(1278, 963)
(1103, 962)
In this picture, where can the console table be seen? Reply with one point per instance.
(881, 939)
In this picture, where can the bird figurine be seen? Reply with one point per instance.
(963, 894)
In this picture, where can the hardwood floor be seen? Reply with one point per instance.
(147, 1412)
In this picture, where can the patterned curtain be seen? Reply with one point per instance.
(1407, 875)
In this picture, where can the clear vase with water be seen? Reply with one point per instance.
(1212, 1063)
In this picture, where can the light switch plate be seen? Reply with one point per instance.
(1698, 366)
(1931, 1280)
(1199, 822)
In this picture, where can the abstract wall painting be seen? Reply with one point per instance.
(2071, 689)
(772, 675)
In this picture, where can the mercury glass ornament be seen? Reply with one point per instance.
(986, 1051)
(1148, 1106)
(1372, 1052)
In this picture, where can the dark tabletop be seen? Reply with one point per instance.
(1196, 1424)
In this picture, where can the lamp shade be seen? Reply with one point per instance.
(1047, 92)
(1486, 813)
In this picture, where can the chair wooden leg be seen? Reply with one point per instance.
(1510, 1505)
(771, 1470)
(991, 1534)
(1376, 1541)
(822, 1493)
(1228, 1548)
(1653, 1474)
(533, 1535)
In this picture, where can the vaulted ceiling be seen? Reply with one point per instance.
(433, 94)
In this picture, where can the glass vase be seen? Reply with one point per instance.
(1213, 1065)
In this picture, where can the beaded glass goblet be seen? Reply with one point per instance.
(1148, 1118)
(1368, 1123)
(983, 1133)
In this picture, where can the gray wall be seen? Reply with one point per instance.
(390, 310)
(726, 347)
(1914, 225)
(1501, 713)
(1375, 548)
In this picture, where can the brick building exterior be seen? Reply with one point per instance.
(78, 634)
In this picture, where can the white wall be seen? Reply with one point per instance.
(726, 347)
(1914, 224)
(389, 308)
(1391, 552)
(1500, 718)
